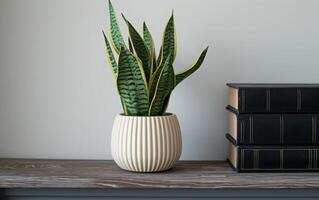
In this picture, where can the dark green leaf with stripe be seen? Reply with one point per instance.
(130, 45)
(165, 104)
(141, 49)
(116, 36)
(169, 40)
(181, 76)
(124, 106)
(132, 84)
(158, 61)
(110, 56)
(113, 64)
(150, 45)
(164, 87)
(154, 79)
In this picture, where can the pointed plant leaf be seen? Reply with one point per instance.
(124, 106)
(132, 84)
(150, 45)
(130, 45)
(116, 36)
(164, 87)
(158, 61)
(110, 56)
(148, 38)
(181, 76)
(154, 78)
(169, 40)
(141, 49)
(113, 65)
(165, 104)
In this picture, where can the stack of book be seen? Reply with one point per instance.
(273, 127)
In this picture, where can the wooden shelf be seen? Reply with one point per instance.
(105, 174)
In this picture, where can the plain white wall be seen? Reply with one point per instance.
(57, 94)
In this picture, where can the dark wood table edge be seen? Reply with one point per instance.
(157, 193)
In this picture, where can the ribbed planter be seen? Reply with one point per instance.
(146, 144)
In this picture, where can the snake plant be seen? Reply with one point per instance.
(144, 80)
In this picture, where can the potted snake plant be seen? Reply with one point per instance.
(145, 138)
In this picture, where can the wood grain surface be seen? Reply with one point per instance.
(105, 174)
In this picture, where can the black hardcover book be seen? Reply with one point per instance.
(274, 98)
(273, 158)
(273, 129)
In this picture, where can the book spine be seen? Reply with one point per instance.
(277, 159)
(277, 129)
(278, 100)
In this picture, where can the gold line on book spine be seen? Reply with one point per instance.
(268, 100)
(314, 153)
(250, 129)
(241, 132)
(280, 131)
(255, 152)
(281, 128)
(257, 158)
(315, 128)
(300, 102)
(242, 158)
(300, 94)
(312, 130)
(298, 99)
(243, 103)
(313, 158)
(281, 158)
(310, 159)
(316, 158)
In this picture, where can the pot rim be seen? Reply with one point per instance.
(156, 116)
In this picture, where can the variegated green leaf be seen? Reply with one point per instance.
(169, 40)
(132, 84)
(165, 104)
(150, 45)
(113, 64)
(158, 61)
(165, 85)
(130, 45)
(141, 49)
(124, 106)
(110, 56)
(155, 77)
(181, 76)
(116, 36)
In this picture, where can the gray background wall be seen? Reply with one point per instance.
(58, 97)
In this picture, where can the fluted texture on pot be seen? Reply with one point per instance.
(146, 144)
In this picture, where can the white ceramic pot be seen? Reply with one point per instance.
(146, 144)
